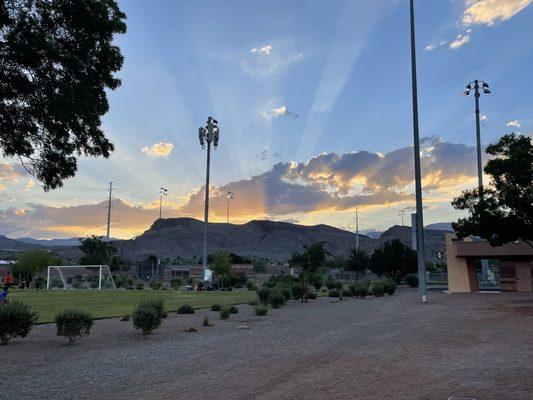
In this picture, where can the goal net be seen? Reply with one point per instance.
(80, 277)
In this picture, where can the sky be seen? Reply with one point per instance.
(313, 100)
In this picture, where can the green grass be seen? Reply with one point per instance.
(116, 303)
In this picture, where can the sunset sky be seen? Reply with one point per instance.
(314, 104)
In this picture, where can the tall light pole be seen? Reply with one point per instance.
(476, 87)
(230, 196)
(402, 213)
(207, 135)
(109, 212)
(418, 176)
(162, 192)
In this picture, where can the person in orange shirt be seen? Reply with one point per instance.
(9, 280)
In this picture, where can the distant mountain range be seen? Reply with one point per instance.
(50, 242)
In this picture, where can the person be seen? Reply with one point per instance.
(3, 295)
(37, 282)
(8, 280)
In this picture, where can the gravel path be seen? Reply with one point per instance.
(475, 346)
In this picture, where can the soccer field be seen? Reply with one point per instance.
(116, 303)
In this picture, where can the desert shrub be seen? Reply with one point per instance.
(146, 318)
(263, 294)
(251, 285)
(298, 292)
(225, 313)
(346, 293)
(275, 280)
(389, 286)
(311, 295)
(125, 318)
(16, 319)
(175, 283)
(233, 310)
(139, 286)
(158, 305)
(378, 289)
(253, 303)
(276, 299)
(286, 290)
(206, 322)
(185, 309)
(155, 285)
(73, 324)
(412, 280)
(216, 307)
(334, 293)
(261, 310)
(359, 290)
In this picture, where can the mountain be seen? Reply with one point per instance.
(441, 226)
(434, 240)
(51, 242)
(9, 247)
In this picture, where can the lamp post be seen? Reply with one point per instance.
(418, 177)
(162, 192)
(230, 196)
(207, 135)
(402, 213)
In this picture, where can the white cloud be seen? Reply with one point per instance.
(161, 149)
(277, 112)
(265, 50)
(433, 46)
(483, 117)
(488, 12)
(514, 124)
(263, 62)
(459, 41)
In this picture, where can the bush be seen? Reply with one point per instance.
(412, 280)
(311, 295)
(389, 286)
(366, 283)
(225, 313)
(233, 310)
(139, 285)
(185, 309)
(297, 292)
(263, 295)
(261, 310)
(359, 290)
(216, 307)
(206, 321)
(251, 285)
(334, 293)
(378, 289)
(346, 293)
(276, 299)
(125, 318)
(146, 318)
(286, 290)
(155, 285)
(73, 324)
(16, 319)
(158, 305)
(317, 281)
(333, 284)
(253, 303)
(175, 283)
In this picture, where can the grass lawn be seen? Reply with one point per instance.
(116, 303)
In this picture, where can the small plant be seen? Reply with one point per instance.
(251, 285)
(359, 290)
(225, 313)
(190, 329)
(216, 307)
(253, 303)
(158, 305)
(263, 295)
(333, 284)
(146, 318)
(125, 318)
(389, 286)
(73, 324)
(233, 310)
(185, 309)
(16, 319)
(155, 285)
(412, 280)
(206, 321)
(378, 290)
(276, 299)
(298, 292)
(139, 286)
(311, 295)
(261, 310)
(346, 293)
(334, 293)
(175, 283)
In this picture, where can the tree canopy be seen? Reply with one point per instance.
(96, 251)
(394, 259)
(308, 262)
(357, 261)
(34, 261)
(504, 213)
(57, 58)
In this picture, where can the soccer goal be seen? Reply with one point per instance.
(80, 277)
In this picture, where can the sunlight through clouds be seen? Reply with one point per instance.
(488, 12)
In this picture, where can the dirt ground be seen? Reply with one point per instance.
(466, 346)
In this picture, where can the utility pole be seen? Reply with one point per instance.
(230, 196)
(109, 210)
(418, 176)
(207, 135)
(356, 229)
(162, 192)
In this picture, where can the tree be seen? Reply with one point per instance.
(357, 261)
(308, 263)
(57, 59)
(221, 266)
(504, 212)
(394, 259)
(96, 251)
(28, 264)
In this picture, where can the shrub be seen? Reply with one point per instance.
(185, 309)
(158, 305)
(216, 307)
(251, 285)
(317, 281)
(366, 283)
(311, 295)
(261, 310)
(146, 319)
(233, 310)
(346, 293)
(155, 285)
(334, 293)
(276, 299)
(125, 318)
(263, 294)
(389, 286)
(73, 324)
(378, 289)
(225, 313)
(139, 285)
(16, 319)
(206, 321)
(297, 292)
(286, 290)
(333, 284)
(412, 280)
(175, 283)
(253, 303)
(359, 290)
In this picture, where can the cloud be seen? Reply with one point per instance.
(265, 50)
(161, 149)
(263, 154)
(488, 12)
(266, 61)
(483, 117)
(11, 172)
(433, 46)
(459, 41)
(277, 112)
(514, 124)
